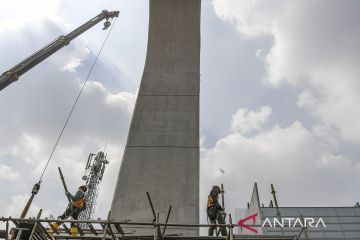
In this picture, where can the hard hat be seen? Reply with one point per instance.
(216, 189)
(84, 188)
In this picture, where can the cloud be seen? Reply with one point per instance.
(17, 201)
(253, 18)
(300, 162)
(7, 173)
(244, 120)
(315, 48)
(15, 206)
(19, 13)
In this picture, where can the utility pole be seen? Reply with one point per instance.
(276, 205)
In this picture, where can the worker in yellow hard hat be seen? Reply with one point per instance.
(73, 210)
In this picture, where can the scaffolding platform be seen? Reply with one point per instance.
(38, 229)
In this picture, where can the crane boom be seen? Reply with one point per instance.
(15, 72)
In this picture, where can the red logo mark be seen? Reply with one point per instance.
(242, 223)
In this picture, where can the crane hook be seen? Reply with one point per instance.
(107, 24)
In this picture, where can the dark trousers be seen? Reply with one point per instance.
(216, 215)
(70, 212)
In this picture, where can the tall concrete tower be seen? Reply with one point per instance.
(162, 150)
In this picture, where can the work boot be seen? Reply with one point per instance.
(53, 228)
(73, 231)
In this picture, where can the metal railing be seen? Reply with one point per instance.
(110, 229)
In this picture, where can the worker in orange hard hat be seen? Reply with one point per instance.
(73, 210)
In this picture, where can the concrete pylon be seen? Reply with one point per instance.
(162, 150)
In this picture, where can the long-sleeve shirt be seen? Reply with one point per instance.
(78, 195)
(78, 200)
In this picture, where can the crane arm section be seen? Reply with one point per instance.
(15, 72)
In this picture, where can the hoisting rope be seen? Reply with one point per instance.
(36, 187)
(76, 101)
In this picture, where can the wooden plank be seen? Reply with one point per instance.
(55, 230)
(106, 227)
(119, 228)
(92, 229)
(42, 232)
(35, 224)
(37, 236)
(80, 230)
(111, 233)
(45, 232)
(67, 230)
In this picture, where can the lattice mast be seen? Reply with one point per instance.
(94, 172)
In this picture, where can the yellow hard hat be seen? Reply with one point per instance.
(84, 188)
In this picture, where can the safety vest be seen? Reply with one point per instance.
(211, 202)
(79, 203)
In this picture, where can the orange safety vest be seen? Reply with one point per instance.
(211, 202)
(79, 203)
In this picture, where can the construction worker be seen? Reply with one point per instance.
(215, 211)
(73, 209)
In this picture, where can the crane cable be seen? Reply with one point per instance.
(76, 101)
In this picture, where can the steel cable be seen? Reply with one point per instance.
(76, 101)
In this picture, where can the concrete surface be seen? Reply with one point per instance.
(162, 150)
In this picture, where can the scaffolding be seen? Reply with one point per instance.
(38, 229)
(34, 229)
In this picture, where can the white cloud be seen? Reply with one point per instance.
(14, 207)
(315, 45)
(76, 56)
(29, 148)
(18, 13)
(298, 161)
(307, 100)
(251, 17)
(7, 173)
(245, 120)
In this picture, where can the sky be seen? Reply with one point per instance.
(279, 100)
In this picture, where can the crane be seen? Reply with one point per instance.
(15, 72)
